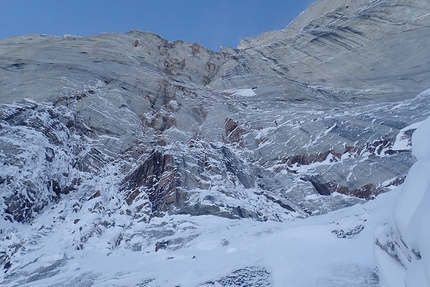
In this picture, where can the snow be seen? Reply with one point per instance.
(409, 230)
(100, 244)
(402, 141)
(421, 140)
(202, 249)
(392, 273)
(244, 93)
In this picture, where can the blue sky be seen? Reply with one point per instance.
(212, 23)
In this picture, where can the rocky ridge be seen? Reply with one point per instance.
(293, 123)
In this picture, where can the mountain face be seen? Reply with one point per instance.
(118, 130)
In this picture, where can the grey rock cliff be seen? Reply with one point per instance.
(283, 127)
(354, 46)
(100, 135)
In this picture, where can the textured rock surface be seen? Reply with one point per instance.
(103, 133)
(312, 110)
(373, 50)
(283, 127)
(243, 277)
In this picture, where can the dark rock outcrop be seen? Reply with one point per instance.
(156, 178)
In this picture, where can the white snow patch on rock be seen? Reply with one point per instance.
(245, 93)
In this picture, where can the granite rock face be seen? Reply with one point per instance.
(373, 50)
(293, 123)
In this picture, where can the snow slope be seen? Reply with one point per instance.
(406, 237)
(95, 242)
(327, 251)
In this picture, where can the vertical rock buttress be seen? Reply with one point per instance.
(157, 178)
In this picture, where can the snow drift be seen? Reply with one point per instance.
(406, 238)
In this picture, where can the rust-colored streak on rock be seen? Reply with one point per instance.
(233, 131)
(157, 177)
(365, 192)
(306, 159)
(132, 196)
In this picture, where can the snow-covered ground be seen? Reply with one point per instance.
(404, 256)
(329, 250)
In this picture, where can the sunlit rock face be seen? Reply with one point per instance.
(293, 123)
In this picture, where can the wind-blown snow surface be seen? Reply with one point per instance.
(331, 250)
(407, 237)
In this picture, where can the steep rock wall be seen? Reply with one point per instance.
(295, 119)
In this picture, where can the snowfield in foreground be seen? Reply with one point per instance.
(330, 250)
(404, 256)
